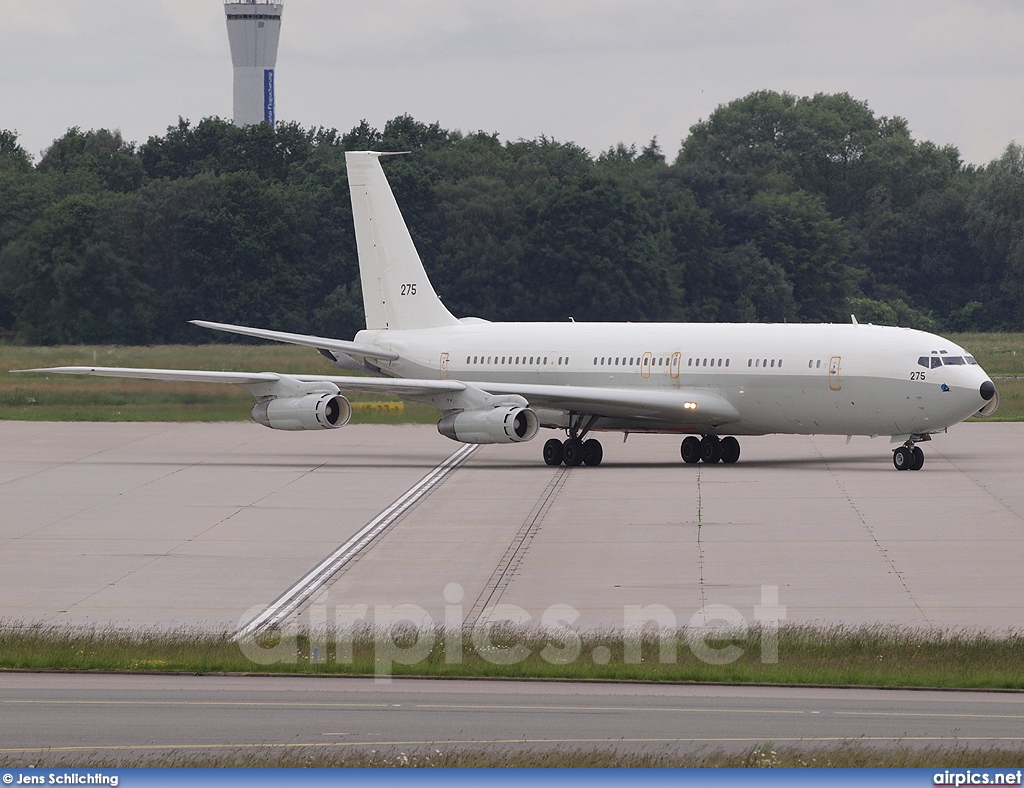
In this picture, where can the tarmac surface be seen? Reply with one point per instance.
(204, 525)
(114, 717)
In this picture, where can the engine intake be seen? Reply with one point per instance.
(311, 412)
(497, 425)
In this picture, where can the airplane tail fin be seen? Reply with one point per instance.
(396, 291)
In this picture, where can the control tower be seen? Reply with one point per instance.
(253, 32)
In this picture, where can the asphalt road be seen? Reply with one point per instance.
(120, 714)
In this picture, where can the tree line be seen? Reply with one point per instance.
(775, 208)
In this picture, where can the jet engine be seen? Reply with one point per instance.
(497, 425)
(322, 411)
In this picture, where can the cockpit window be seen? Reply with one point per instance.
(970, 360)
(953, 360)
(936, 362)
(923, 362)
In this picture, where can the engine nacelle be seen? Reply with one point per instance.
(497, 425)
(312, 412)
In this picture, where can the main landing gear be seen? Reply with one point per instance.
(574, 450)
(710, 449)
(908, 457)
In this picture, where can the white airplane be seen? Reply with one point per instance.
(502, 382)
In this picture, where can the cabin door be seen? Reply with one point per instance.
(677, 359)
(833, 373)
(444, 366)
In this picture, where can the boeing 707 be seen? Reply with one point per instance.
(503, 382)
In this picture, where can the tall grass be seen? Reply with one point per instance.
(767, 755)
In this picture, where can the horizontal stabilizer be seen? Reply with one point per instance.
(169, 375)
(352, 348)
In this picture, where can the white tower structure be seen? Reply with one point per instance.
(253, 32)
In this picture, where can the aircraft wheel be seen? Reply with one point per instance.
(918, 462)
(553, 452)
(903, 457)
(690, 450)
(730, 450)
(572, 452)
(593, 452)
(710, 449)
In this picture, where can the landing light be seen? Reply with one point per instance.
(690, 405)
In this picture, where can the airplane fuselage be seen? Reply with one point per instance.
(780, 378)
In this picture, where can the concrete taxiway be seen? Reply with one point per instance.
(163, 525)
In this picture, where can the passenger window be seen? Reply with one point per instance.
(750, 362)
(727, 362)
(819, 363)
(780, 363)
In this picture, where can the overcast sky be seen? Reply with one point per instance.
(596, 72)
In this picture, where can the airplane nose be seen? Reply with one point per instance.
(988, 390)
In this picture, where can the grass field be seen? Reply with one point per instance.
(78, 398)
(865, 656)
(72, 398)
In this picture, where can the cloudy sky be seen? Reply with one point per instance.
(596, 72)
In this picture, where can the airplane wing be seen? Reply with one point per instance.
(344, 346)
(398, 387)
(696, 406)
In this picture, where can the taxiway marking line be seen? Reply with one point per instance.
(298, 594)
(931, 714)
(391, 706)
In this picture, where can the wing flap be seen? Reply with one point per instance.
(685, 405)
